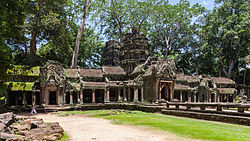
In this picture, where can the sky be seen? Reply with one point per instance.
(209, 4)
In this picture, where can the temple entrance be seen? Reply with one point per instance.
(99, 96)
(113, 95)
(67, 98)
(165, 90)
(75, 97)
(139, 95)
(131, 94)
(52, 98)
(87, 96)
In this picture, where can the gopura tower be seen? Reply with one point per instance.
(111, 53)
(134, 50)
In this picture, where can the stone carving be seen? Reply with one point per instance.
(52, 73)
(162, 69)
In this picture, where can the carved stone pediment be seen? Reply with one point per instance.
(52, 73)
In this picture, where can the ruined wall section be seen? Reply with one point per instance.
(134, 51)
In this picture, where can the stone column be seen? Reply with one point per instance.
(81, 96)
(181, 96)
(93, 95)
(71, 97)
(124, 94)
(227, 98)
(24, 98)
(194, 98)
(159, 91)
(106, 95)
(119, 95)
(108, 98)
(189, 97)
(199, 97)
(129, 95)
(142, 94)
(218, 98)
(78, 97)
(135, 94)
(210, 97)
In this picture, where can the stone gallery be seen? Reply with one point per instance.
(129, 74)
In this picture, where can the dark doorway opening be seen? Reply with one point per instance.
(52, 98)
(139, 95)
(87, 96)
(67, 98)
(28, 97)
(99, 96)
(37, 98)
(113, 95)
(75, 97)
(131, 94)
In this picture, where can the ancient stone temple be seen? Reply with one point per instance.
(129, 74)
(110, 54)
(134, 50)
(204, 89)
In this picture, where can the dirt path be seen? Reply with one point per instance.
(83, 128)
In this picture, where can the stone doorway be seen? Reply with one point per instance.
(165, 90)
(113, 95)
(87, 96)
(52, 98)
(99, 96)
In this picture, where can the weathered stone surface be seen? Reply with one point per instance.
(6, 136)
(7, 118)
(3, 128)
(30, 128)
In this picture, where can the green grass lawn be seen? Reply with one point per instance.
(184, 127)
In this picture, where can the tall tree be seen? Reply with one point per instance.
(117, 17)
(227, 32)
(171, 24)
(79, 35)
(11, 21)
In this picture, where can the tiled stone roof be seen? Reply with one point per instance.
(91, 73)
(113, 70)
(71, 73)
(226, 90)
(222, 80)
(181, 87)
(94, 84)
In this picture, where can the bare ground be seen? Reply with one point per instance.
(84, 128)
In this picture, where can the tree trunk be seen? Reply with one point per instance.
(79, 35)
(196, 70)
(33, 41)
(35, 31)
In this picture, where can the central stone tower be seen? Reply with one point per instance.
(134, 50)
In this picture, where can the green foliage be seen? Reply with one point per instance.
(20, 86)
(23, 70)
(117, 17)
(184, 127)
(171, 26)
(226, 33)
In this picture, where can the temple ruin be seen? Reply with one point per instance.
(129, 73)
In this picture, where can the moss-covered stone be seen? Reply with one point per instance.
(20, 86)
